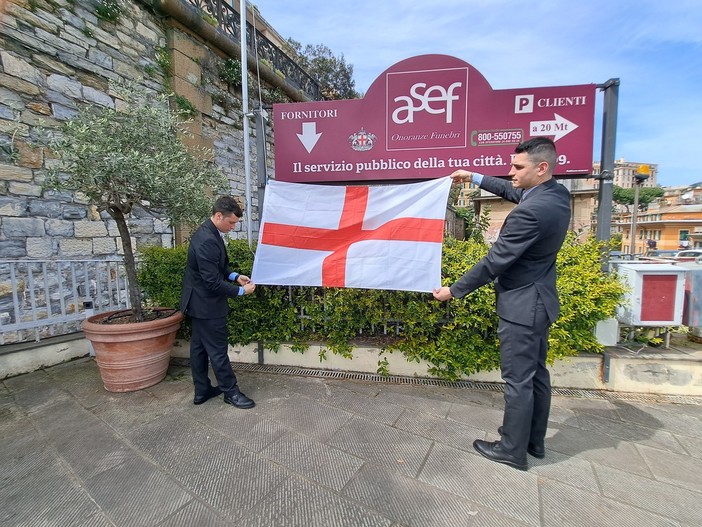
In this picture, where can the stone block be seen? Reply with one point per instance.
(39, 19)
(39, 248)
(39, 107)
(24, 189)
(20, 68)
(22, 227)
(60, 228)
(30, 156)
(72, 247)
(65, 86)
(12, 206)
(98, 97)
(185, 68)
(200, 99)
(90, 229)
(102, 246)
(15, 173)
(187, 46)
(13, 248)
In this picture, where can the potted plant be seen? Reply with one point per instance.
(121, 158)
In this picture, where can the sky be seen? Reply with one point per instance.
(654, 48)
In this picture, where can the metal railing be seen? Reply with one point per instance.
(46, 298)
(228, 22)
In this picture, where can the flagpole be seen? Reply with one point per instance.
(245, 109)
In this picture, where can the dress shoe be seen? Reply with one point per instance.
(533, 450)
(494, 452)
(239, 400)
(212, 391)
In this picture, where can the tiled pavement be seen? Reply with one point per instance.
(332, 452)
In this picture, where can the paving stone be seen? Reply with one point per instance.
(692, 445)
(136, 493)
(651, 495)
(674, 468)
(93, 450)
(298, 503)
(362, 405)
(422, 404)
(253, 431)
(195, 514)
(565, 505)
(632, 433)
(134, 411)
(445, 431)
(566, 469)
(50, 497)
(411, 502)
(463, 474)
(320, 463)
(672, 417)
(308, 417)
(382, 445)
(23, 455)
(171, 439)
(487, 419)
(229, 478)
(597, 448)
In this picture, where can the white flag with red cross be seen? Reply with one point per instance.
(377, 237)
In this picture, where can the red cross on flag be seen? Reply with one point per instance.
(380, 237)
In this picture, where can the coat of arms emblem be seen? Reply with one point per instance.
(362, 140)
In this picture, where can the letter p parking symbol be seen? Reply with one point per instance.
(523, 104)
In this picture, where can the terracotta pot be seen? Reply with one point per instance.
(132, 356)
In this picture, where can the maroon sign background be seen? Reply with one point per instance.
(425, 117)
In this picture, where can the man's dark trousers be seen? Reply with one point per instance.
(527, 382)
(210, 337)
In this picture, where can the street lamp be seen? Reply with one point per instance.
(642, 174)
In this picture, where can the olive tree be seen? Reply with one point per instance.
(132, 155)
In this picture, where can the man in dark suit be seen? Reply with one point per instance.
(522, 263)
(208, 284)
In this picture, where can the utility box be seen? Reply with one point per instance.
(692, 307)
(655, 295)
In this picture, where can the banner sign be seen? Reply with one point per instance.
(425, 117)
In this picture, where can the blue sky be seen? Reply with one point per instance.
(653, 46)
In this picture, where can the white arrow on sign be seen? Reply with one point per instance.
(309, 136)
(559, 127)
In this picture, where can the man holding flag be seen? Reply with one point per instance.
(522, 264)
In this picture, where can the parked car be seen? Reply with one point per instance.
(689, 253)
(661, 253)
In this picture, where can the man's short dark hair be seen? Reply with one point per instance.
(227, 205)
(539, 149)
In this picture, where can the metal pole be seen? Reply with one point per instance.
(245, 110)
(261, 117)
(632, 248)
(609, 136)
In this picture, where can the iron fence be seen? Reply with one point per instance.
(228, 22)
(40, 299)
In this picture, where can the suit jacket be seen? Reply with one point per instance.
(522, 261)
(205, 285)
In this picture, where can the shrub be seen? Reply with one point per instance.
(457, 338)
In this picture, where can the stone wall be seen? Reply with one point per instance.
(58, 54)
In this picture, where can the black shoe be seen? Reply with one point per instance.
(212, 391)
(494, 452)
(239, 400)
(536, 451)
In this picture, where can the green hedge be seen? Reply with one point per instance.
(458, 337)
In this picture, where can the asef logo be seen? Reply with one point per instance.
(427, 109)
